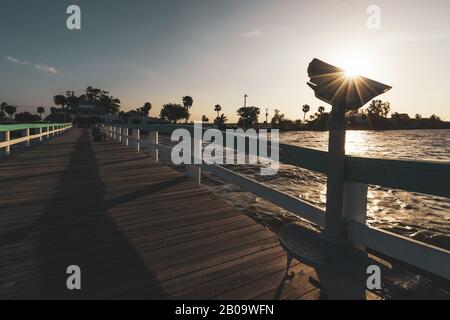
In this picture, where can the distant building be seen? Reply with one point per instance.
(88, 114)
(400, 116)
(87, 111)
(134, 117)
(356, 118)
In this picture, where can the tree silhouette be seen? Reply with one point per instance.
(321, 109)
(60, 100)
(173, 112)
(10, 110)
(2, 110)
(248, 116)
(101, 98)
(379, 108)
(26, 117)
(278, 117)
(187, 103)
(205, 119)
(305, 110)
(217, 108)
(40, 110)
(434, 117)
(220, 121)
(144, 110)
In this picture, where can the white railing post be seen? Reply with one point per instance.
(127, 132)
(27, 134)
(40, 133)
(120, 134)
(195, 172)
(137, 137)
(8, 138)
(153, 138)
(355, 204)
(355, 201)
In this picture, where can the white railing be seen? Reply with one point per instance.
(50, 131)
(426, 257)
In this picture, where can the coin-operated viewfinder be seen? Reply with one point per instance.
(332, 85)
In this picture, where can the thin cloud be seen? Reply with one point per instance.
(46, 68)
(251, 34)
(37, 66)
(15, 60)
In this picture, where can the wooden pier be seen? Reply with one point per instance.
(136, 228)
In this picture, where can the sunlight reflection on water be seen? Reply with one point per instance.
(423, 217)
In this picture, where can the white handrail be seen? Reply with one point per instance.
(426, 257)
(28, 137)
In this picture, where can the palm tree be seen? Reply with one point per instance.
(146, 108)
(321, 109)
(10, 110)
(217, 108)
(40, 110)
(305, 110)
(2, 110)
(187, 103)
(220, 121)
(205, 119)
(2, 106)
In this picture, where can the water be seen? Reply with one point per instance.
(421, 217)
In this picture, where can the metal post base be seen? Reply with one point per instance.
(316, 250)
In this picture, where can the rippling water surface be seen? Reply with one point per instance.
(422, 217)
(419, 216)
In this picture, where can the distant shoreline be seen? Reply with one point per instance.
(378, 124)
(368, 129)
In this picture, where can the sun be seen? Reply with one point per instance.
(351, 72)
(355, 65)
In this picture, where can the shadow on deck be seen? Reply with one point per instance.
(136, 229)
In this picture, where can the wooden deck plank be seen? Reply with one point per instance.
(136, 228)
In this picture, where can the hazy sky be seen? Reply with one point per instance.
(217, 50)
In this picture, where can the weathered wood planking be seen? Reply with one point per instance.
(136, 228)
